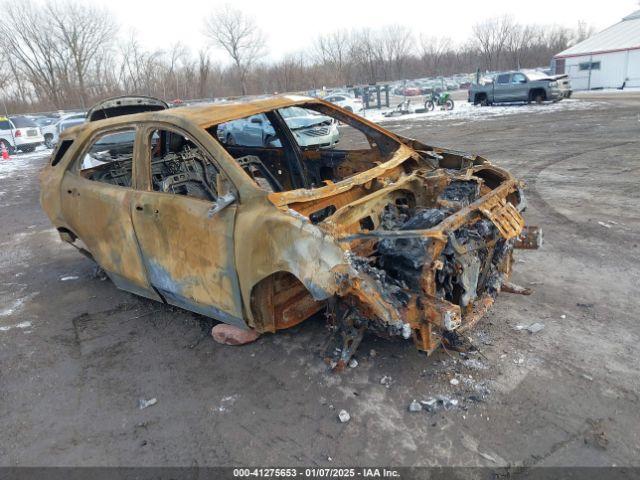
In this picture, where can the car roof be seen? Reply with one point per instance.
(207, 115)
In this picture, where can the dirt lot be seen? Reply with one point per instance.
(77, 355)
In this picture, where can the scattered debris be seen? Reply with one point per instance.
(587, 377)
(475, 364)
(535, 327)
(226, 402)
(142, 403)
(99, 273)
(344, 416)
(386, 381)
(353, 363)
(563, 316)
(447, 402)
(454, 381)
(440, 401)
(596, 435)
(68, 278)
(510, 287)
(415, 406)
(603, 224)
(231, 335)
(430, 404)
(487, 457)
(518, 361)
(585, 305)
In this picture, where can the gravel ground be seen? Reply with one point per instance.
(77, 355)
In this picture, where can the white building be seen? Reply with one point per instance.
(609, 59)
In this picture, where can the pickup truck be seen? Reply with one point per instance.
(510, 87)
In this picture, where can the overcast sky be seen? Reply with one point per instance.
(291, 26)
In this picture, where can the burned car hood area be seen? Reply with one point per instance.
(428, 240)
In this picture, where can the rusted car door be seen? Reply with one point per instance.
(99, 214)
(187, 243)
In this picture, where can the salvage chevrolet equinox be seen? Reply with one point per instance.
(383, 233)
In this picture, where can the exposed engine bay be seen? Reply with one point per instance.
(434, 248)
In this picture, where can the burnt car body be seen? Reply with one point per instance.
(398, 238)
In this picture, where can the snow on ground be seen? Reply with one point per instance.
(609, 91)
(466, 111)
(22, 162)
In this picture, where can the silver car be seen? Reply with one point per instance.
(310, 130)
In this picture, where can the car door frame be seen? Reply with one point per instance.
(519, 91)
(88, 204)
(173, 288)
(502, 91)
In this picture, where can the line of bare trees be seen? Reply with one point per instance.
(64, 54)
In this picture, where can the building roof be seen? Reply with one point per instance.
(624, 35)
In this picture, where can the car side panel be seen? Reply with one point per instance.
(99, 214)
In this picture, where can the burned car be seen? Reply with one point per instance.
(382, 233)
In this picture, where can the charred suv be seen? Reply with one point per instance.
(383, 233)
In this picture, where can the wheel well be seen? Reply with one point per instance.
(535, 91)
(479, 97)
(67, 235)
(281, 301)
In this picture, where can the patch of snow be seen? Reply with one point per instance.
(69, 277)
(609, 91)
(5, 328)
(22, 162)
(464, 110)
(226, 402)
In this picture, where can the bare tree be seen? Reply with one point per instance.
(204, 70)
(492, 36)
(432, 51)
(27, 37)
(83, 30)
(332, 50)
(239, 36)
(584, 31)
(396, 42)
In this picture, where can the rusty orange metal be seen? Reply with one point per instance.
(257, 260)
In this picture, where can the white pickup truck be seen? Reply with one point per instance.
(20, 133)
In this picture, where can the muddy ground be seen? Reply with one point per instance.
(77, 355)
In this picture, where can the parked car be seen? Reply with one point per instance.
(310, 130)
(347, 102)
(52, 132)
(508, 87)
(20, 133)
(401, 239)
(411, 91)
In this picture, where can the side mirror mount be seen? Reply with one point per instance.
(256, 120)
(223, 202)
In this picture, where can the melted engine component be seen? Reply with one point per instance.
(472, 260)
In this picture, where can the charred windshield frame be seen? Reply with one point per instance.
(303, 168)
